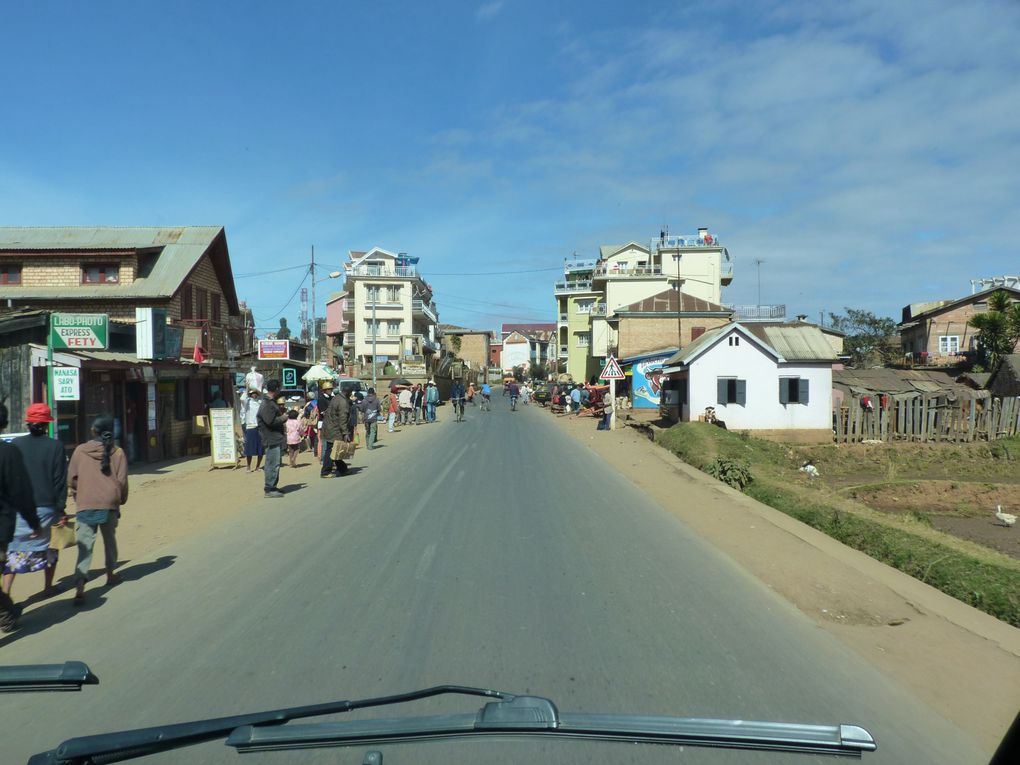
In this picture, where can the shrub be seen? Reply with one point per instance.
(736, 473)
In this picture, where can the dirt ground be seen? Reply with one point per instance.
(962, 662)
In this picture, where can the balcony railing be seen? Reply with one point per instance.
(573, 286)
(564, 349)
(428, 309)
(599, 309)
(578, 265)
(636, 272)
(687, 240)
(370, 269)
(757, 312)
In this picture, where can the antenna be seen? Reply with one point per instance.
(758, 262)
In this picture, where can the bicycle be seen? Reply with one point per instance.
(484, 406)
(513, 403)
(458, 407)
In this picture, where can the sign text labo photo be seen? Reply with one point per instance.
(65, 384)
(79, 331)
(274, 349)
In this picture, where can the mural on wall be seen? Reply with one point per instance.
(646, 382)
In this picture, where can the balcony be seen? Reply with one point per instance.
(564, 350)
(599, 309)
(570, 266)
(426, 309)
(430, 345)
(638, 272)
(758, 312)
(563, 316)
(580, 285)
(726, 269)
(687, 240)
(375, 269)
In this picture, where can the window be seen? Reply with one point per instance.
(732, 391)
(949, 343)
(107, 273)
(393, 327)
(372, 328)
(187, 303)
(393, 294)
(201, 303)
(793, 390)
(584, 306)
(216, 316)
(697, 332)
(734, 340)
(10, 274)
(373, 293)
(582, 339)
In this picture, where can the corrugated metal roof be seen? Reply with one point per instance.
(181, 249)
(795, 342)
(901, 382)
(694, 348)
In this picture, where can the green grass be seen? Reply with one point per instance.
(988, 582)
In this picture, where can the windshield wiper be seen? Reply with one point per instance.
(510, 716)
(537, 716)
(69, 676)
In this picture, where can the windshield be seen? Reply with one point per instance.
(740, 279)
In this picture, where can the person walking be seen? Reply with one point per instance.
(271, 426)
(370, 417)
(250, 425)
(353, 415)
(405, 401)
(16, 500)
(310, 417)
(46, 464)
(336, 426)
(457, 399)
(322, 406)
(393, 409)
(431, 399)
(98, 482)
(295, 431)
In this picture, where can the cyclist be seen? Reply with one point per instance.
(515, 393)
(486, 396)
(457, 399)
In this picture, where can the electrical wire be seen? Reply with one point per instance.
(289, 301)
(273, 271)
(493, 273)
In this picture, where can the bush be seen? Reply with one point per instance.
(733, 472)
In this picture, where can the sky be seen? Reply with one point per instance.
(865, 152)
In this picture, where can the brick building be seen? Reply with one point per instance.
(475, 346)
(176, 328)
(657, 321)
(939, 332)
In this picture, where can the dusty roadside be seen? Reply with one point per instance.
(961, 661)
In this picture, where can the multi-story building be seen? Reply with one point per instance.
(471, 345)
(176, 333)
(592, 290)
(390, 314)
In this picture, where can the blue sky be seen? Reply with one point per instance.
(866, 152)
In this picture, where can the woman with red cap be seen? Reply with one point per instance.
(47, 469)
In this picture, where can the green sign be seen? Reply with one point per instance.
(79, 331)
(289, 377)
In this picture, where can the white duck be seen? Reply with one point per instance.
(1006, 519)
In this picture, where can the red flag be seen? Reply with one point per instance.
(197, 354)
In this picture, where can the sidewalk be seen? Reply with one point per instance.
(960, 661)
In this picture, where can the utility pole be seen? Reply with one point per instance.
(759, 261)
(315, 355)
(679, 300)
(375, 333)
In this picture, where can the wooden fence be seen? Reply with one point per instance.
(928, 418)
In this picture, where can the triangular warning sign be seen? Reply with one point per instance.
(611, 371)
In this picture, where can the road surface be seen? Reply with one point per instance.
(494, 552)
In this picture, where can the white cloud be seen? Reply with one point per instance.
(488, 10)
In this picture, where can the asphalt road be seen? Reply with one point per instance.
(494, 552)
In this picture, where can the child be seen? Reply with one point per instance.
(294, 433)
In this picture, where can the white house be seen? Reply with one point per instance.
(773, 378)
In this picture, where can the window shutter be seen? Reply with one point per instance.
(803, 389)
(741, 392)
(784, 390)
(722, 391)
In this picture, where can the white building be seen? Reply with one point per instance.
(766, 377)
(389, 312)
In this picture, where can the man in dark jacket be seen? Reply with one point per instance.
(336, 426)
(272, 423)
(15, 498)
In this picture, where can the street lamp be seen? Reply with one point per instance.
(315, 333)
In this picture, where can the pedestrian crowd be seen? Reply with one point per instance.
(36, 479)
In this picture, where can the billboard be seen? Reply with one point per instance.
(646, 382)
(270, 350)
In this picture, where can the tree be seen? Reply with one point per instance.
(867, 336)
(998, 329)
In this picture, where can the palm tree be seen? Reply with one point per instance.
(998, 329)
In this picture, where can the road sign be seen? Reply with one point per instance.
(65, 384)
(611, 371)
(289, 377)
(79, 331)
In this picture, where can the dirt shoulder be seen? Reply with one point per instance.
(961, 661)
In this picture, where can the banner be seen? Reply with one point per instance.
(646, 383)
(274, 349)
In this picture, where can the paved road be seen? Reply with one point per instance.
(493, 552)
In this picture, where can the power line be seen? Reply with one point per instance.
(495, 273)
(274, 271)
(289, 301)
(517, 306)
